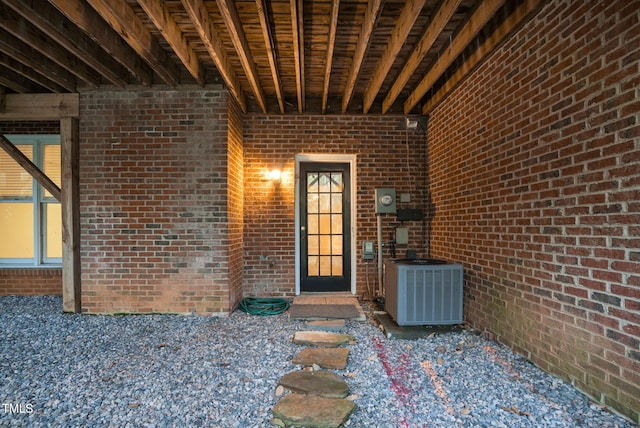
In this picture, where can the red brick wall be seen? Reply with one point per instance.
(535, 178)
(30, 282)
(153, 201)
(270, 142)
(235, 205)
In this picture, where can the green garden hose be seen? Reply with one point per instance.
(263, 306)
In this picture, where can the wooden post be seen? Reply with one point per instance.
(70, 153)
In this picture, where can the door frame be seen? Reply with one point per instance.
(327, 158)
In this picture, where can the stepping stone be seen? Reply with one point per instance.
(314, 412)
(322, 338)
(320, 382)
(330, 325)
(327, 358)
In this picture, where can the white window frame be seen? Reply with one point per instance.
(39, 203)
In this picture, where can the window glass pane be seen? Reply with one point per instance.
(16, 229)
(52, 165)
(15, 182)
(54, 230)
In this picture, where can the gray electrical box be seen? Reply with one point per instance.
(385, 201)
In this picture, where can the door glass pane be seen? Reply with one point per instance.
(16, 229)
(324, 223)
(313, 245)
(313, 265)
(325, 265)
(336, 266)
(312, 203)
(312, 182)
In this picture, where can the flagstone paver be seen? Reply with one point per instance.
(327, 358)
(328, 325)
(322, 338)
(311, 411)
(318, 382)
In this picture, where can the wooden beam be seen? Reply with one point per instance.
(407, 18)
(331, 43)
(21, 78)
(374, 7)
(297, 26)
(438, 21)
(40, 106)
(126, 23)
(239, 40)
(40, 64)
(70, 164)
(263, 15)
(30, 167)
(90, 22)
(3, 99)
(481, 15)
(199, 15)
(39, 41)
(162, 19)
(42, 15)
(499, 36)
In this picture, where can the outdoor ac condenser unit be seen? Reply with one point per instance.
(423, 291)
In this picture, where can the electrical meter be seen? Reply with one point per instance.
(385, 200)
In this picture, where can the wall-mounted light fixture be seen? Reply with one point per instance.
(275, 176)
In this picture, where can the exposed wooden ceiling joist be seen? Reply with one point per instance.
(492, 42)
(209, 35)
(271, 50)
(163, 20)
(83, 16)
(41, 14)
(480, 16)
(121, 18)
(24, 79)
(297, 28)
(355, 56)
(31, 36)
(43, 66)
(333, 26)
(403, 27)
(234, 26)
(437, 24)
(370, 18)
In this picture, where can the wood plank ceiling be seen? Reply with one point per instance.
(274, 56)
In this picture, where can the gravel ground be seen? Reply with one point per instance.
(169, 370)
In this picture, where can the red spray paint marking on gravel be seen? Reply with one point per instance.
(398, 377)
